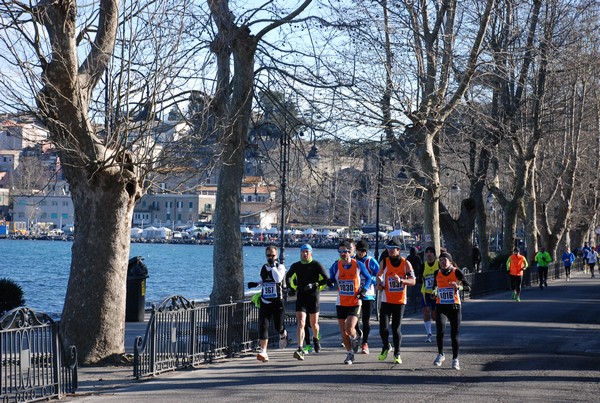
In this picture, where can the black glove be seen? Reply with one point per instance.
(291, 292)
(362, 294)
(252, 284)
(330, 282)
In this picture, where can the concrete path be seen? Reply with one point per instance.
(543, 349)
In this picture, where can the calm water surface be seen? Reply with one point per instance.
(42, 269)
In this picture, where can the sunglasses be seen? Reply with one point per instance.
(271, 255)
(343, 251)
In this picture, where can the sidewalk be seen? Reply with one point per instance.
(542, 349)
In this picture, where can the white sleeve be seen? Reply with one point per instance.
(278, 273)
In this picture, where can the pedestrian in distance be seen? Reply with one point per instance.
(592, 259)
(543, 259)
(272, 275)
(394, 276)
(515, 266)
(368, 301)
(348, 274)
(310, 276)
(430, 266)
(448, 282)
(584, 252)
(568, 258)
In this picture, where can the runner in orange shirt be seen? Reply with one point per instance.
(515, 266)
(448, 282)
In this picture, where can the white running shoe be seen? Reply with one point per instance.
(262, 356)
(349, 358)
(455, 364)
(283, 341)
(438, 360)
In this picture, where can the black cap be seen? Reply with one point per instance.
(362, 245)
(446, 255)
(430, 249)
(392, 243)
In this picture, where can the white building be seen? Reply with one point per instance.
(43, 212)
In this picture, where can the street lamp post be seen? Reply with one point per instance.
(284, 143)
(378, 201)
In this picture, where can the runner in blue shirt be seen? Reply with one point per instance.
(568, 258)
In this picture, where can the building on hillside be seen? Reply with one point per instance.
(174, 210)
(9, 160)
(43, 212)
(19, 132)
(257, 203)
(4, 202)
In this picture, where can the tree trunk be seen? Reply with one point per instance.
(103, 183)
(93, 317)
(457, 233)
(233, 103)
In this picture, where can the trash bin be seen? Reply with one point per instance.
(135, 300)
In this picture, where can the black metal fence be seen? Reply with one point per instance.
(182, 334)
(33, 364)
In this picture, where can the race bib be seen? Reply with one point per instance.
(429, 283)
(346, 287)
(393, 285)
(446, 295)
(269, 290)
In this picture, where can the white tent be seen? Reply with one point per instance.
(245, 230)
(156, 233)
(399, 232)
(310, 231)
(136, 232)
(272, 231)
(330, 234)
(258, 231)
(381, 234)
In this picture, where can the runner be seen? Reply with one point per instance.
(448, 281)
(515, 266)
(368, 301)
(271, 301)
(568, 258)
(346, 273)
(543, 259)
(429, 268)
(308, 285)
(395, 274)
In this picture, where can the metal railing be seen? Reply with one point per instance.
(33, 364)
(182, 334)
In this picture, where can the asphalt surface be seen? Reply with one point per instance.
(543, 349)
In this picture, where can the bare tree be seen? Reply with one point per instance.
(61, 54)
(234, 48)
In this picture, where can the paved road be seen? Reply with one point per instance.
(543, 349)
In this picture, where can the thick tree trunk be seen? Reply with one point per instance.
(458, 233)
(233, 103)
(93, 317)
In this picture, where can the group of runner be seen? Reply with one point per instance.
(356, 276)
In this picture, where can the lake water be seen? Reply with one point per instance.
(42, 269)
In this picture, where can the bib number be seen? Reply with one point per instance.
(394, 286)
(429, 283)
(446, 295)
(346, 287)
(269, 290)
